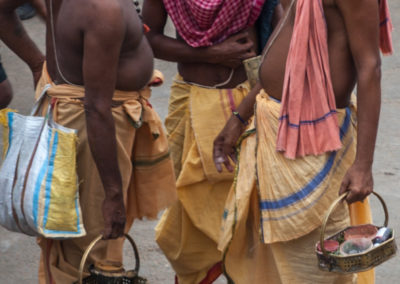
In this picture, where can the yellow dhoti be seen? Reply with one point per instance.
(189, 231)
(275, 208)
(146, 170)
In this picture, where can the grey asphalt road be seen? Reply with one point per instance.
(19, 254)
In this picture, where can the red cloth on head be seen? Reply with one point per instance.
(206, 22)
(308, 123)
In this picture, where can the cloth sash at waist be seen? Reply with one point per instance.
(134, 103)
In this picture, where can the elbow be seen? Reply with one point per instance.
(370, 70)
(155, 41)
(151, 37)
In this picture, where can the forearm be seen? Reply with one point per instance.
(170, 49)
(103, 145)
(246, 107)
(368, 105)
(13, 34)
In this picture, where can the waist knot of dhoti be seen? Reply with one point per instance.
(134, 103)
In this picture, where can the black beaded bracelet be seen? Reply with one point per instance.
(244, 122)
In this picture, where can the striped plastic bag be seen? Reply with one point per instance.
(38, 182)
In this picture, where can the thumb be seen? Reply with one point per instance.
(345, 185)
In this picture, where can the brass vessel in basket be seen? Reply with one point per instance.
(354, 262)
(118, 276)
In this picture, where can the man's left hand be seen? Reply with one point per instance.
(358, 181)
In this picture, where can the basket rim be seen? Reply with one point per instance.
(331, 255)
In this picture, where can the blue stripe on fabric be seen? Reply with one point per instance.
(384, 22)
(10, 129)
(38, 185)
(314, 183)
(56, 232)
(307, 121)
(346, 124)
(78, 228)
(225, 214)
(275, 100)
(49, 178)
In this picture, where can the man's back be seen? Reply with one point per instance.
(82, 27)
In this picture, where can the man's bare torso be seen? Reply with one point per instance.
(71, 18)
(341, 62)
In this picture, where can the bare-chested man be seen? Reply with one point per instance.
(211, 83)
(99, 65)
(277, 223)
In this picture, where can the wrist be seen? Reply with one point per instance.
(211, 55)
(113, 193)
(363, 164)
(239, 118)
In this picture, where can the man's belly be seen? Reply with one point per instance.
(212, 75)
(135, 69)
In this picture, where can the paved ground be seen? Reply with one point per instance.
(19, 254)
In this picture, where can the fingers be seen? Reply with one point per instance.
(228, 165)
(218, 160)
(114, 219)
(344, 186)
(247, 54)
(358, 194)
(357, 187)
(232, 155)
(114, 229)
(240, 36)
(220, 156)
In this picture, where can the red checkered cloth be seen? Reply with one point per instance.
(206, 22)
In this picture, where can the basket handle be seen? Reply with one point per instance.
(94, 242)
(333, 207)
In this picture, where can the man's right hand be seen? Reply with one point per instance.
(233, 50)
(225, 144)
(114, 217)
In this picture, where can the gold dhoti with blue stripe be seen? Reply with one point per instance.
(275, 208)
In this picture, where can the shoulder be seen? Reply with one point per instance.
(104, 15)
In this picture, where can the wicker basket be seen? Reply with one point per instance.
(355, 262)
(98, 276)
